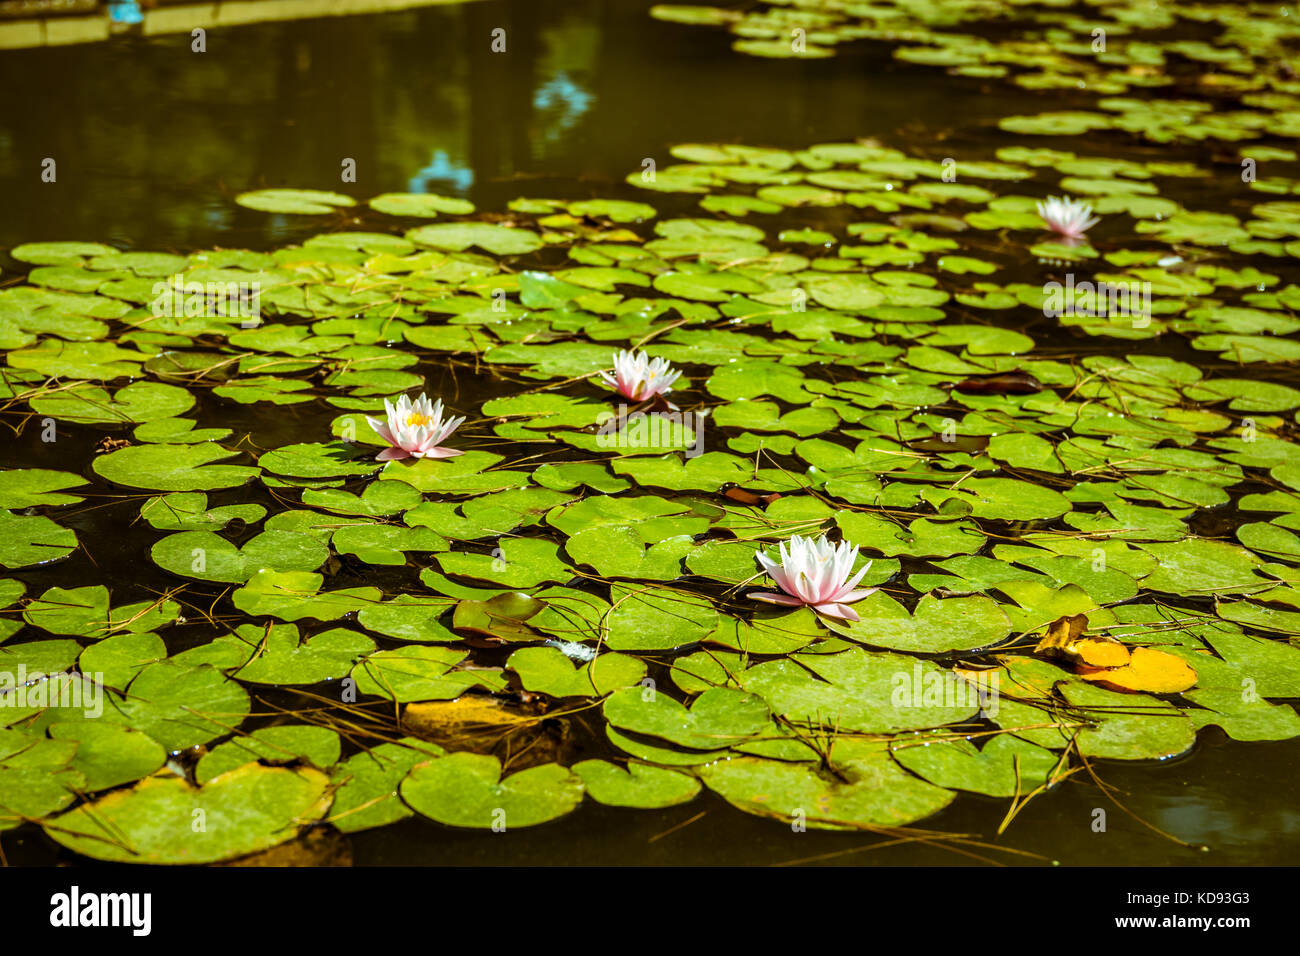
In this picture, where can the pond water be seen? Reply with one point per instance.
(153, 143)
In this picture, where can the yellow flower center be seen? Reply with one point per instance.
(416, 420)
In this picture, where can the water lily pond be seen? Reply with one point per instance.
(811, 431)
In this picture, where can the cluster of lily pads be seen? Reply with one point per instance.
(1235, 84)
(352, 615)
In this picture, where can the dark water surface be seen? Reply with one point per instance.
(152, 142)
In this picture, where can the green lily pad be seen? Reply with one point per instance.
(424, 205)
(280, 657)
(718, 718)
(109, 755)
(638, 785)
(646, 618)
(863, 794)
(209, 557)
(172, 468)
(367, 784)
(936, 626)
(28, 487)
(420, 673)
(85, 612)
(547, 670)
(856, 690)
(467, 790)
(167, 820)
(280, 744)
(459, 236)
(1006, 765)
(308, 202)
(188, 511)
(137, 402)
(31, 540)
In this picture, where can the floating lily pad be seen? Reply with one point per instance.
(167, 820)
(547, 670)
(367, 784)
(638, 785)
(468, 790)
(863, 794)
(173, 468)
(420, 673)
(955, 624)
(26, 487)
(31, 540)
(424, 205)
(294, 201)
(210, 557)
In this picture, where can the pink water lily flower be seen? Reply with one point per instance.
(415, 430)
(816, 573)
(639, 377)
(1067, 217)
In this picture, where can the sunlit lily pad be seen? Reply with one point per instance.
(468, 790)
(173, 467)
(638, 785)
(294, 201)
(158, 821)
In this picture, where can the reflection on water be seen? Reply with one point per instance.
(564, 98)
(125, 11)
(153, 140)
(441, 174)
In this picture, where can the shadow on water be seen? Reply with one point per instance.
(152, 141)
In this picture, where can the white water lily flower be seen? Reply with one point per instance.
(1067, 217)
(415, 429)
(639, 377)
(816, 573)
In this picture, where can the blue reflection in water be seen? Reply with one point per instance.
(442, 170)
(124, 11)
(571, 99)
(216, 216)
